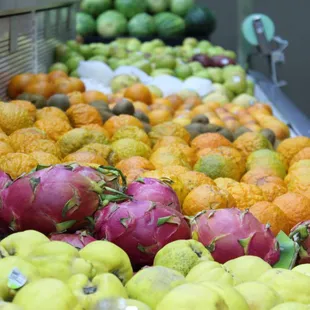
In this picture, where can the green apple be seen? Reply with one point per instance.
(190, 41)
(73, 62)
(113, 63)
(244, 100)
(108, 257)
(182, 255)
(204, 74)
(122, 81)
(151, 284)
(233, 299)
(259, 295)
(291, 306)
(73, 44)
(210, 271)
(231, 70)
(99, 58)
(216, 75)
(90, 292)
(8, 306)
(204, 44)
(86, 51)
(59, 260)
(196, 66)
(21, 243)
(47, 294)
(303, 269)
(230, 54)
(160, 72)
(147, 48)
(143, 65)
(183, 71)
(215, 51)
(58, 66)
(165, 62)
(192, 296)
(133, 45)
(157, 42)
(215, 97)
(101, 49)
(236, 83)
(7, 265)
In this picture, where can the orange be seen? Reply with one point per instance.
(228, 152)
(16, 164)
(159, 116)
(260, 107)
(50, 112)
(116, 122)
(77, 84)
(75, 97)
(186, 150)
(175, 100)
(39, 77)
(22, 137)
(134, 163)
(252, 175)
(62, 86)
(295, 206)
(85, 157)
(98, 128)
(133, 174)
(43, 145)
(141, 106)
(192, 102)
(201, 109)
(300, 183)
(18, 84)
(94, 95)
(27, 105)
(45, 159)
(193, 179)
(54, 127)
(4, 137)
(280, 129)
(250, 142)
(5, 148)
(304, 163)
(212, 105)
(132, 132)
(43, 88)
(270, 214)
(13, 117)
(83, 114)
(174, 169)
(272, 186)
(290, 147)
(206, 197)
(55, 75)
(162, 102)
(224, 182)
(168, 140)
(209, 140)
(139, 92)
(168, 129)
(103, 150)
(301, 155)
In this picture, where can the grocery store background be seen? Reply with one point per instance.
(291, 19)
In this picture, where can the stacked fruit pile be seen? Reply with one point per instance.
(144, 18)
(192, 58)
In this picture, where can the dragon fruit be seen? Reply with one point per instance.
(140, 228)
(230, 233)
(50, 200)
(301, 234)
(79, 239)
(153, 190)
(5, 180)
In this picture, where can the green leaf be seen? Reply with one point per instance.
(140, 180)
(163, 220)
(91, 220)
(41, 167)
(124, 221)
(34, 182)
(72, 203)
(245, 243)
(63, 226)
(289, 251)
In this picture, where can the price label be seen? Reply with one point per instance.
(16, 279)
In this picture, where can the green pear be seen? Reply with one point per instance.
(59, 260)
(192, 296)
(28, 272)
(90, 292)
(21, 243)
(102, 50)
(196, 66)
(210, 271)
(133, 45)
(143, 65)
(291, 306)
(165, 62)
(147, 48)
(236, 83)
(232, 70)
(216, 75)
(182, 255)
(122, 81)
(244, 100)
(151, 284)
(86, 51)
(258, 295)
(303, 269)
(46, 294)
(190, 41)
(157, 42)
(160, 72)
(290, 285)
(183, 71)
(8, 306)
(204, 74)
(233, 299)
(215, 97)
(247, 268)
(108, 257)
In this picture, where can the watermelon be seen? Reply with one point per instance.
(200, 21)
(130, 8)
(181, 7)
(142, 25)
(85, 24)
(111, 24)
(95, 7)
(157, 6)
(169, 24)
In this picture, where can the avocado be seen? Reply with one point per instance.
(105, 115)
(213, 128)
(147, 127)
(227, 134)
(24, 96)
(269, 134)
(101, 106)
(195, 129)
(59, 101)
(200, 119)
(37, 100)
(124, 107)
(240, 131)
(142, 116)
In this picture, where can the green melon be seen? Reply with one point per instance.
(142, 25)
(169, 24)
(95, 7)
(85, 24)
(130, 8)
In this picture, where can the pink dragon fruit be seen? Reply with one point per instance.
(301, 234)
(230, 233)
(140, 228)
(50, 200)
(154, 190)
(79, 239)
(5, 180)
